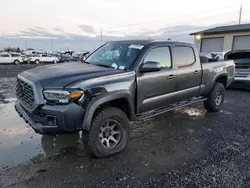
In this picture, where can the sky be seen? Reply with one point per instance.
(78, 24)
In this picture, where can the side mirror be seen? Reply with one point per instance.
(150, 66)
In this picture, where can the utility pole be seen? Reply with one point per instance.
(240, 14)
(101, 36)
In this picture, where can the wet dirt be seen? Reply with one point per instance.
(19, 143)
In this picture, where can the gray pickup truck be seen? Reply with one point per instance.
(120, 82)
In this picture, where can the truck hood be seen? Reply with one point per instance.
(237, 54)
(60, 75)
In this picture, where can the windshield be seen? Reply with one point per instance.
(115, 54)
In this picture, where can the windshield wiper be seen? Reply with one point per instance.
(102, 65)
(86, 62)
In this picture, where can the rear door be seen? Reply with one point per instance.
(155, 88)
(188, 72)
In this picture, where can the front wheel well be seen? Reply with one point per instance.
(223, 80)
(121, 103)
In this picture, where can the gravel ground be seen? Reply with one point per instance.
(7, 89)
(7, 71)
(184, 148)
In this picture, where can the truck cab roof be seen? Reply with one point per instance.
(153, 42)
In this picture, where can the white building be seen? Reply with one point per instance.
(222, 39)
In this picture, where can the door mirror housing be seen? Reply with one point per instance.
(150, 66)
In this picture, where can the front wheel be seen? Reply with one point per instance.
(16, 62)
(37, 62)
(108, 133)
(215, 98)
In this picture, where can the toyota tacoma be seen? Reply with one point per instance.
(120, 82)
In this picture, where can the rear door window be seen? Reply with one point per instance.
(184, 56)
(161, 55)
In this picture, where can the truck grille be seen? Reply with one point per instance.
(24, 92)
(242, 74)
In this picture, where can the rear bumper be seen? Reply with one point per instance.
(53, 119)
(243, 83)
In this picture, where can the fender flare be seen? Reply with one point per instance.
(220, 75)
(102, 99)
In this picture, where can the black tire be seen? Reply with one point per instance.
(16, 62)
(212, 103)
(37, 61)
(92, 138)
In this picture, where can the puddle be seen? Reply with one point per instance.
(193, 113)
(19, 143)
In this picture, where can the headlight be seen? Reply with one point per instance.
(61, 96)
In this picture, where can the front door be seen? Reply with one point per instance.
(155, 88)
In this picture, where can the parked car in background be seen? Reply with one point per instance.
(242, 64)
(41, 58)
(207, 58)
(11, 58)
(76, 57)
(217, 55)
(62, 58)
(122, 81)
(84, 56)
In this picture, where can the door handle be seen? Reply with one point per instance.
(196, 72)
(171, 76)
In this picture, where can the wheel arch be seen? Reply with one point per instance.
(221, 79)
(16, 60)
(121, 99)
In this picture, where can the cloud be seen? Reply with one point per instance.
(87, 29)
(41, 38)
(58, 29)
(40, 28)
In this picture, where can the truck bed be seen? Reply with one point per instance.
(212, 69)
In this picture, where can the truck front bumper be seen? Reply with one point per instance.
(55, 119)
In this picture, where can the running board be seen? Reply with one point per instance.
(171, 107)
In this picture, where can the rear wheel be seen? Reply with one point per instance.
(108, 133)
(215, 98)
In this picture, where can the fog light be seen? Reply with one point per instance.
(51, 120)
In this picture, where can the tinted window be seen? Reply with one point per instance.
(15, 55)
(44, 55)
(184, 56)
(5, 55)
(161, 55)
